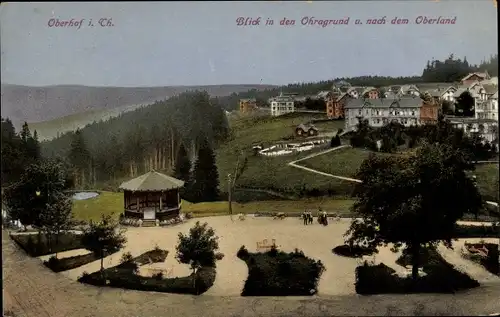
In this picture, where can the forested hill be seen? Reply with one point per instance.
(35, 104)
(136, 142)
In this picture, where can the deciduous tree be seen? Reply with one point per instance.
(413, 201)
(40, 184)
(57, 216)
(103, 237)
(197, 248)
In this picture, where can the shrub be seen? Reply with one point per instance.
(219, 256)
(127, 262)
(470, 231)
(242, 253)
(276, 273)
(354, 251)
(37, 244)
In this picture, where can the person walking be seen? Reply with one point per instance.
(304, 217)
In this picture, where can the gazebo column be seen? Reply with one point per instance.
(178, 198)
(138, 203)
(161, 194)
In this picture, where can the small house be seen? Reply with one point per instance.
(306, 130)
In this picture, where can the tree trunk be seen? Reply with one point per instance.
(57, 241)
(194, 282)
(229, 198)
(415, 257)
(102, 260)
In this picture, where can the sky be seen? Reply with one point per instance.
(200, 43)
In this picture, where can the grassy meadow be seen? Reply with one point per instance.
(273, 172)
(345, 162)
(487, 180)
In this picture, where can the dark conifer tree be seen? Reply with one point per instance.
(205, 185)
(182, 169)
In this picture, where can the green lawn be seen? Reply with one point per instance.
(111, 203)
(344, 162)
(273, 172)
(487, 180)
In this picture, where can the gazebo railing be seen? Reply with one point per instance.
(165, 207)
(158, 210)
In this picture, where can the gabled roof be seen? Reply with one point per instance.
(323, 94)
(342, 95)
(484, 75)
(152, 181)
(367, 90)
(459, 92)
(490, 89)
(306, 127)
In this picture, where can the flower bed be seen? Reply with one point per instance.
(122, 276)
(64, 264)
(37, 244)
(276, 273)
(490, 262)
(441, 277)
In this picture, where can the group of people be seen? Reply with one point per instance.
(307, 217)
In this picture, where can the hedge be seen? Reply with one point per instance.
(441, 278)
(121, 276)
(276, 273)
(64, 264)
(471, 231)
(37, 245)
(355, 251)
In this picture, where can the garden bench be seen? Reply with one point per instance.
(264, 245)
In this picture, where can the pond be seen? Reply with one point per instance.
(84, 195)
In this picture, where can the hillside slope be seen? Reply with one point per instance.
(35, 104)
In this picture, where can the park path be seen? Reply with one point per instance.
(32, 290)
(294, 164)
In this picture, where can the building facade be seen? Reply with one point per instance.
(335, 103)
(282, 105)
(429, 112)
(248, 106)
(488, 109)
(487, 128)
(380, 112)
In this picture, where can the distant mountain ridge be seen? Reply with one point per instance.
(35, 104)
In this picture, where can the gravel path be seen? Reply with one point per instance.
(32, 290)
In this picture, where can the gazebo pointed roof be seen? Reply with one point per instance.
(152, 181)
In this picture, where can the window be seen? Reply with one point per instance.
(413, 112)
(359, 112)
(289, 108)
